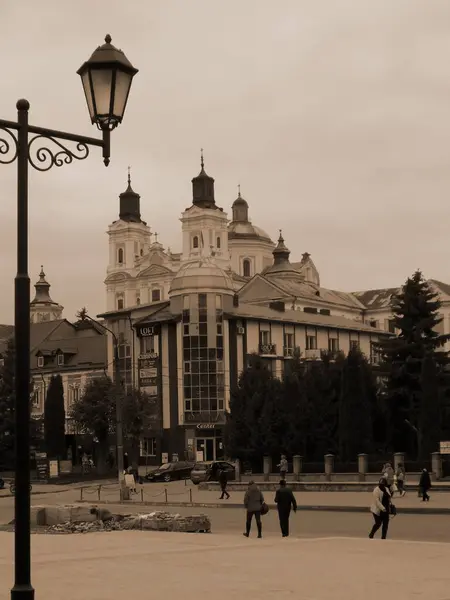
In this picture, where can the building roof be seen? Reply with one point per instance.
(200, 274)
(251, 311)
(376, 299)
(80, 353)
(245, 230)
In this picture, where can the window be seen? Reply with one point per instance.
(120, 302)
(264, 337)
(156, 295)
(374, 323)
(60, 360)
(120, 256)
(202, 300)
(195, 241)
(289, 340)
(354, 344)
(218, 242)
(38, 397)
(218, 302)
(391, 326)
(311, 342)
(40, 361)
(147, 344)
(148, 446)
(74, 393)
(246, 267)
(333, 345)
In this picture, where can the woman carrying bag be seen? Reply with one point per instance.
(381, 509)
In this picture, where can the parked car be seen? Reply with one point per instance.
(209, 471)
(171, 471)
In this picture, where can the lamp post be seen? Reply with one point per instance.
(124, 493)
(106, 78)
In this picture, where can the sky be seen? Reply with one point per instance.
(332, 115)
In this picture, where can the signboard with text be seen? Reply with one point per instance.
(444, 447)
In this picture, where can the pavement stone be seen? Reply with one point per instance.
(109, 566)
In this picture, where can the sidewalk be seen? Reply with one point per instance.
(177, 494)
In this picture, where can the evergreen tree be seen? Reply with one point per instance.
(295, 405)
(250, 413)
(416, 317)
(357, 398)
(429, 431)
(7, 410)
(55, 419)
(95, 413)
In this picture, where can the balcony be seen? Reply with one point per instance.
(312, 354)
(270, 349)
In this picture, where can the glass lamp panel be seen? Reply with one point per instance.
(101, 83)
(123, 84)
(88, 93)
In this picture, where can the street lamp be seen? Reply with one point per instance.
(107, 74)
(124, 493)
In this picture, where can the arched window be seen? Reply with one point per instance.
(246, 267)
(120, 303)
(195, 241)
(120, 256)
(218, 242)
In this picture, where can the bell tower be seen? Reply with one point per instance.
(42, 307)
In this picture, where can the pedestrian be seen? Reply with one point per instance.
(424, 485)
(223, 480)
(283, 466)
(401, 476)
(285, 500)
(380, 509)
(388, 474)
(253, 502)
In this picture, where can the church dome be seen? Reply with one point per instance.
(241, 227)
(201, 275)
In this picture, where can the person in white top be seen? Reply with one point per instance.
(380, 508)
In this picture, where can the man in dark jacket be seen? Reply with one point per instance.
(285, 500)
(223, 480)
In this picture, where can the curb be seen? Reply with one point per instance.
(345, 509)
(9, 495)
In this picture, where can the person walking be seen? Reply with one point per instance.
(253, 502)
(380, 509)
(424, 485)
(285, 500)
(400, 476)
(283, 466)
(223, 480)
(388, 474)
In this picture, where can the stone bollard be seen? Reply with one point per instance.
(297, 466)
(436, 465)
(267, 467)
(363, 466)
(329, 466)
(238, 469)
(399, 459)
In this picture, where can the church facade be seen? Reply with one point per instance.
(185, 323)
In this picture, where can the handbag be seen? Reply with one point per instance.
(392, 509)
(264, 509)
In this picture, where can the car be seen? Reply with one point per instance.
(209, 471)
(171, 471)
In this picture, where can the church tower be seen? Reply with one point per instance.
(42, 308)
(129, 240)
(204, 224)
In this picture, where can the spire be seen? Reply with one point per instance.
(203, 188)
(281, 253)
(130, 202)
(42, 288)
(240, 208)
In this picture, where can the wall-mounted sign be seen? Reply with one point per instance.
(147, 330)
(206, 426)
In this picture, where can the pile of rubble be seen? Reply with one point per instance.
(155, 521)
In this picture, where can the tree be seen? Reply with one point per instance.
(357, 399)
(430, 414)
(248, 434)
(7, 410)
(416, 317)
(55, 419)
(94, 412)
(295, 404)
(140, 411)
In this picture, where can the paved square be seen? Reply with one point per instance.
(109, 566)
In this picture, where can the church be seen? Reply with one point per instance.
(185, 322)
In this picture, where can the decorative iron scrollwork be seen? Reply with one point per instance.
(8, 146)
(44, 158)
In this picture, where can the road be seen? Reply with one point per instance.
(309, 524)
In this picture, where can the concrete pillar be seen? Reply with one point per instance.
(329, 466)
(399, 458)
(297, 466)
(436, 465)
(267, 467)
(363, 466)
(238, 467)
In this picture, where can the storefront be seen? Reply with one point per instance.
(204, 442)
